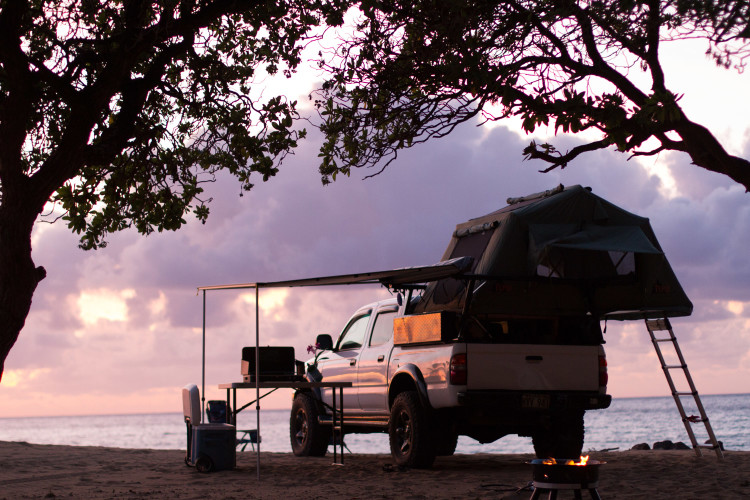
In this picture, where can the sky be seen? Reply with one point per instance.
(118, 330)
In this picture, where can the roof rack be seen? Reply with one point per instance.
(536, 196)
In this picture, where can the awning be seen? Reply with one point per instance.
(393, 277)
(408, 276)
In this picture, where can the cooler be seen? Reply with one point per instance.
(213, 446)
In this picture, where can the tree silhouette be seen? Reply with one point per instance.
(415, 70)
(117, 112)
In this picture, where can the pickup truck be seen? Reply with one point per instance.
(416, 378)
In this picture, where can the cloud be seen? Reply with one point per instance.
(293, 227)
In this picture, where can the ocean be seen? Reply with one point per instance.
(628, 421)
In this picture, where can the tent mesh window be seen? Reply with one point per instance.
(592, 264)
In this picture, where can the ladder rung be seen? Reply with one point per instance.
(658, 324)
(672, 367)
(708, 446)
(664, 340)
(685, 393)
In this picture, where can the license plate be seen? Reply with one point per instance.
(535, 401)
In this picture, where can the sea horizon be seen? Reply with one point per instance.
(286, 409)
(627, 422)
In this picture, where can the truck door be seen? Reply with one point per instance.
(372, 376)
(340, 365)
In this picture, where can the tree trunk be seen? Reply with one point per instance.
(18, 276)
(707, 152)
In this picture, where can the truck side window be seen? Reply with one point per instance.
(382, 331)
(354, 335)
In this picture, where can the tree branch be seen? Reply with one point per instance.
(552, 156)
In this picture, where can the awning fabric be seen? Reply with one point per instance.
(394, 277)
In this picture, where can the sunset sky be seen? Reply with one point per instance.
(118, 330)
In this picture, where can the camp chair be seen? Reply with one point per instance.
(216, 411)
(335, 440)
(249, 436)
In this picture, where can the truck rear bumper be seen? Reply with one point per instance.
(534, 401)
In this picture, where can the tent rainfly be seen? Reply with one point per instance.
(562, 252)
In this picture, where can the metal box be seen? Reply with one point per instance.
(276, 363)
(424, 328)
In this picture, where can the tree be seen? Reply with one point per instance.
(415, 70)
(116, 112)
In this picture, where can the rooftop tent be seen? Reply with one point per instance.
(563, 252)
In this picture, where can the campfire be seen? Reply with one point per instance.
(553, 461)
(552, 474)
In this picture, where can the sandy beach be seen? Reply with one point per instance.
(46, 471)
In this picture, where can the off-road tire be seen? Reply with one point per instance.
(563, 438)
(446, 440)
(308, 437)
(409, 432)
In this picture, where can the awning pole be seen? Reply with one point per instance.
(257, 374)
(203, 361)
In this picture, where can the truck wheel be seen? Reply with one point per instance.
(445, 434)
(309, 438)
(563, 439)
(409, 432)
(446, 441)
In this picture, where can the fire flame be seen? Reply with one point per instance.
(582, 461)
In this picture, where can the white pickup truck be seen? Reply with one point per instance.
(417, 378)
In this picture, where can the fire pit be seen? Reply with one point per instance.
(551, 475)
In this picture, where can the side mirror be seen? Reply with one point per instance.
(324, 342)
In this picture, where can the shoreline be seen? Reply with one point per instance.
(52, 471)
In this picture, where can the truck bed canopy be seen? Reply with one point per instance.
(563, 252)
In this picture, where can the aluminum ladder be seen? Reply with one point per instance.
(663, 324)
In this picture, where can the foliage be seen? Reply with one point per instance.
(123, 109)
(415, 70)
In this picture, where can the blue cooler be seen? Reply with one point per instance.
(213, 447)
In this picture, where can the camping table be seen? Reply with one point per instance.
(232, 405)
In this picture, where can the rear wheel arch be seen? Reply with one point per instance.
(408, 378)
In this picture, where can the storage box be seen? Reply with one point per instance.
(216, 443)
(425, 328)
(276, 363)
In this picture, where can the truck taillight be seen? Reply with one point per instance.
(458, 369)
(603, 376)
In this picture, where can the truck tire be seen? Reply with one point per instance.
(308, 437)
(409, 432)
(562, 439)
(445, 443)
(445, 434)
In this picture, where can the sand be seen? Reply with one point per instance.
(46, 471)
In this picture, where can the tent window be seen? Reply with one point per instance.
(469, 244)
(552, 265)
(624, 262)
(472, 245)
(571, 263)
